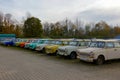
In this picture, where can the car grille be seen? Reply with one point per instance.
(61, 50)
(84, 54)
(48, 49)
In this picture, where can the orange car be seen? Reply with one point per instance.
(22, 44)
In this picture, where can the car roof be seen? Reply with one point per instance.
(109, 40)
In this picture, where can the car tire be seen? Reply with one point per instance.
(100, 60)
(43, 50)
(73, 55)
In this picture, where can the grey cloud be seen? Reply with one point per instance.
(52, 10)
(7, 3)
(94, 15)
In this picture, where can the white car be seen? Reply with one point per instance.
(70, 50)
(100, 51)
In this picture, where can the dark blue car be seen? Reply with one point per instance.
(9, 42)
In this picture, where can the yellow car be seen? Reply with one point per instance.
(52, 49)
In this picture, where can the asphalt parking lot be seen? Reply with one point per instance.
(21, 64)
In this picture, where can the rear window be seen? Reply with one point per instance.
(109, 45)
(117, 44)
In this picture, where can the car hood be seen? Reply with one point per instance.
(33, 43)
(27, 43)
(88, 50)
(22, 42)
(66, 47)
(42, 44)
(51, 46)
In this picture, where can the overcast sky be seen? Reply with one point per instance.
(56, 10)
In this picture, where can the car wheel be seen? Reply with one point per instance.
(43, 50)
(100, 60)
(55, 53)
(73, 55)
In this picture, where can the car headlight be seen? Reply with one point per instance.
(91, 55)
(77, 51)
(66, 50)
(39, 47)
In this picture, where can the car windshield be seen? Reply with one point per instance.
(83, 43)
(8, 40)
(46, 42)
(55, 42)
(41, 41)
(24, 40)
(52, 42)
(29, 40)
(98, 44)
(58, 42)
(35, 41)
(17, 40)
(73, 43)
(65, 42)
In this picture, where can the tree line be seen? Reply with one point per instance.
(33, 28)
(77, 29)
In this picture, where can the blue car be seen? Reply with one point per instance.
(9, 42)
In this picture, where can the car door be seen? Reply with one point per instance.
(117, 49)
(81, 45)
(111, 51)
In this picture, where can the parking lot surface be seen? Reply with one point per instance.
(21, 64)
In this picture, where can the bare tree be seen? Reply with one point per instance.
(1, 21)
(1, 17)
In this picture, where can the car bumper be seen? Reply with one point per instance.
(86, 58)
(37, 49)
(62, 53)
(30, 47)
(49, 51)
(26, 47)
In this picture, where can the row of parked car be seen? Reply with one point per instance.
(89, 50)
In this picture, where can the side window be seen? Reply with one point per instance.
(65, 42)
(101, 44)
(109, 45)
(117, 45)
(82, 44)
